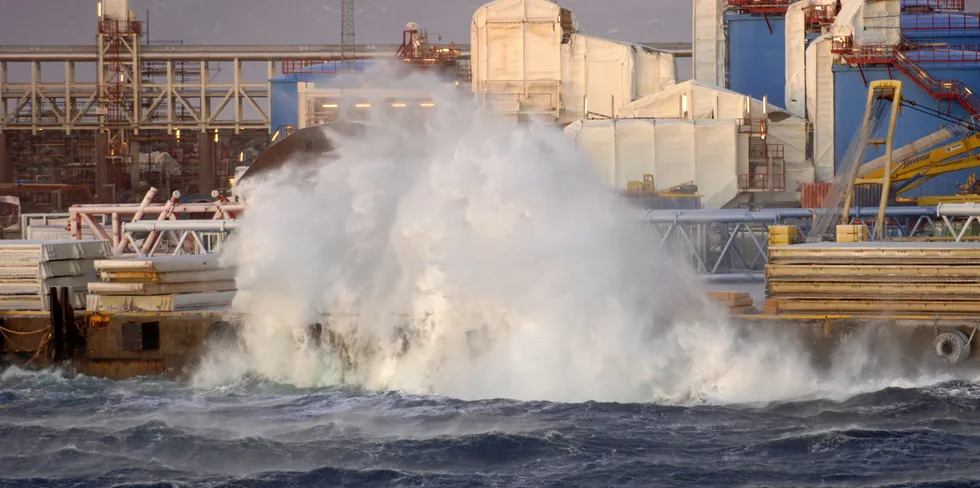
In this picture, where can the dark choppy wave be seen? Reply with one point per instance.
(83, 432)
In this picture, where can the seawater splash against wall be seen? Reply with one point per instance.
(476, 259)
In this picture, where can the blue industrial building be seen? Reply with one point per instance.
(947, 50)
(757, 55)
(284, 90)
(851, 96)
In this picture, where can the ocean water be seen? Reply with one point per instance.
(61, 431)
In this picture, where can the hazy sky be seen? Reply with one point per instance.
(318, 21)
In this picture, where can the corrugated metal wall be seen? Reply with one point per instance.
(850, 99)
(756, 57)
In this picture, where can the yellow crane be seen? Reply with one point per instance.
(919, 169)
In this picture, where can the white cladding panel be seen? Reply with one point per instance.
(795, 99)
(674, 151)
(516, 53)
(871, 23)
(709, 42)
(820, 105)
(519, 64)
(115, 9)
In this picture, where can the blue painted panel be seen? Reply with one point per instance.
(756, 57)
(283, 103)
(850, 98)
(284, 93)
(949, 28)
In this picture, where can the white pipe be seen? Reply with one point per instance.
(130, 209)
(181, 226)
(968, 209)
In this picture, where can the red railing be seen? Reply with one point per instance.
(760, 6)
(752, 126)
(818, 16)
(891, 55)
(120, 27)
(325, 65)
(946, 54)
(934, 21)
(766, 169)
(935, 4)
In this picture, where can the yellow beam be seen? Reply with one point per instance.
(909, 168)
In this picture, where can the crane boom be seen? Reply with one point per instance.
(915, 171)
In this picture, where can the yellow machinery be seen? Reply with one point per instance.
(882, 89)
(647, 188)
(644, 192)
(913, 171)
(641, 188)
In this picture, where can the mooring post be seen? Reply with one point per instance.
(68, 319)
(57, 324)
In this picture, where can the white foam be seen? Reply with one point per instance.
(527, 278)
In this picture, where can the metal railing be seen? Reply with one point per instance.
(935, 4)
(735, 242)
(759, 6)
(940, 21)
(895, 56)
(123, 242)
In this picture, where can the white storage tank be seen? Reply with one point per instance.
(515, 55)
(115, 9)
(527, 58)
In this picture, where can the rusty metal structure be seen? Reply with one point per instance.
(150, 100)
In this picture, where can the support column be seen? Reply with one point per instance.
(134, 166)
(205, 158)
(101, 165)
(6, 159)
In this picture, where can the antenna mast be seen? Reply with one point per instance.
(347, 52)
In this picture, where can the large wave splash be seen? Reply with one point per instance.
(476, 258)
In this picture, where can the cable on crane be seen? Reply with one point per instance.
(965, 123)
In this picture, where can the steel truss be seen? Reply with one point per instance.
(185, 238)
(732, 242)
(160, 90)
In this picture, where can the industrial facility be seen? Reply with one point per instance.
(810, 131)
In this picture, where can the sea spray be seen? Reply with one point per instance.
(466, 256)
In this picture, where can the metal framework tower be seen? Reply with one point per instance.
(347, 52)
(118, 85)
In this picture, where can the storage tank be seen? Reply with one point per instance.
(515, 55)
(526, 58)
(115, 9)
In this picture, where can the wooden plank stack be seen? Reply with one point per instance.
(782, 235)
(162, 284)
(737, 302)
(28, 269)
(852, 233)
(874, 277)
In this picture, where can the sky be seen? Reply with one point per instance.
(318, 21)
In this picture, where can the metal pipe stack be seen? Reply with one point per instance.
(874, 277)
(162, 284)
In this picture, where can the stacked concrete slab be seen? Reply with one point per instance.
(162, 284)
(874, 277)
(29, 268)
